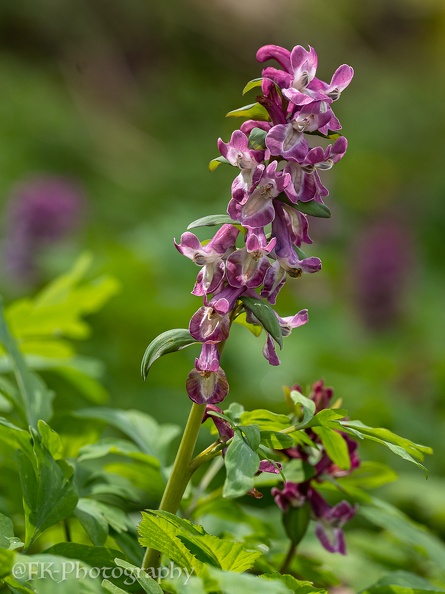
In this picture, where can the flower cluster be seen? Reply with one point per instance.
(329, 520)
(278, 181)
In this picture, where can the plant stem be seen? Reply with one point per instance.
(180, 475)
(290, 555)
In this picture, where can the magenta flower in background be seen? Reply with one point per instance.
(41, 212)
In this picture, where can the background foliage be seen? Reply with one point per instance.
(127, 101)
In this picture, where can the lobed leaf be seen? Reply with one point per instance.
(167, 342)
(265, 420)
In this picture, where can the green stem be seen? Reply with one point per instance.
(290, 555)
(180, 475)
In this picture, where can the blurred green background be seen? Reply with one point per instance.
(125, 101)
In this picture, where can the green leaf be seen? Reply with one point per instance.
(175, 537)
(265, 420)
(253, 84)
(211, 221)
(16, 438)
(328, 417)
(90, 516)
(335, 446)
(252, 434)
(402, 582)
(411, 534)
(298, 471)
(313, 208)
(148, 583)
(406, 449)
(253, 111)
(58, 309)
(167, 342)
(216, 162)
(142, 429)
(35, 398)
(236, 583)
(257, 139)
(48, 490)
(242, 464)
(266, 316)
(276, 440)
(50, 440)
(6, 562)
(7, 539)
(303, 406)
(93, 556)
(119, 447)
(160, 532)
(369, 475)
(295, 585)
(112, 587)
(240, 319)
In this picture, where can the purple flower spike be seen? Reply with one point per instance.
(330, 522)
(258, 210)
(207, 325)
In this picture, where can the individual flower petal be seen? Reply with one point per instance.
(289, 323)
(275, 52)
(270, 353)
(287, 141)
(305, 184)
(209, 358)
(238, 153)
(207, 387)
(207, 325)
(224, 301)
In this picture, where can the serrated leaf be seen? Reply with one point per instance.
(167, 342)
(313, 208)
(160, 532)
(241, 464)
(180, 533)
(257, 139)
(49, 494)
(216, 162)
(253, 111)
(335, 446)
(265, 314)
(211, 221)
